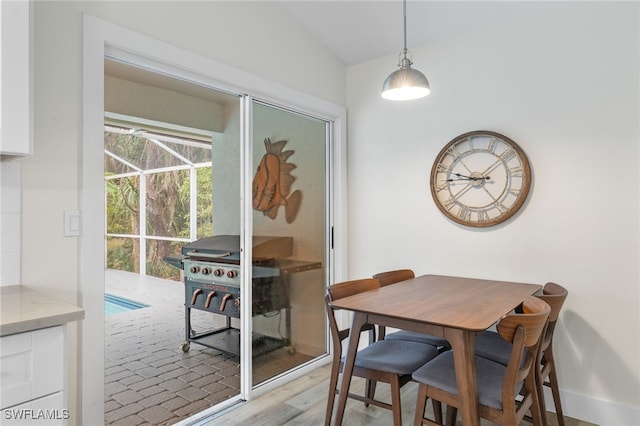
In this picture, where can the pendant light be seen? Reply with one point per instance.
(406, 83)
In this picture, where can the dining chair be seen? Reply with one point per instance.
(554, 295)
(386, 361)
(395, 276)
(505, 392)
(489, 345)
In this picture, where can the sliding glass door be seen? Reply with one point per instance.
(185, 187)
(289, 234)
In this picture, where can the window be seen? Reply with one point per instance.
(158, 186)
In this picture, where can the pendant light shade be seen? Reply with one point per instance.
(406, 83)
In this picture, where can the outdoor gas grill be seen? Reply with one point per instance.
(212, 283)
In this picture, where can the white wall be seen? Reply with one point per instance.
(252, 36)
(563, 84)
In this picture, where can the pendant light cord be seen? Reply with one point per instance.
(404, 61)
(404, 14)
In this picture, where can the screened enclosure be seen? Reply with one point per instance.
(158, 186)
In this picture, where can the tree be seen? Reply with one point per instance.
(167, 200)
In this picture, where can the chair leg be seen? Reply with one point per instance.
(537, 415)
(452, 415)
(370, 385)
(395, 400)
(421, 404)
(367, 391)
(553, 384)
(540, 395)
(437, 411)
(333, 386)
(370, 391)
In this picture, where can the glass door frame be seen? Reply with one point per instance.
(102, 39)
(249, 167)
(246, 246)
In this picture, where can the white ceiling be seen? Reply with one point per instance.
(357, 31)
(360, 30)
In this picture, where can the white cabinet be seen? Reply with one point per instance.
(16, 77)
(32, 371)
(37, 412)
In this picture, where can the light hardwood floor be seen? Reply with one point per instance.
(303, 401)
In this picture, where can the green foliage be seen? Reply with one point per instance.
(123, 195)
(163, 270)
(119, 254)
(167, 203)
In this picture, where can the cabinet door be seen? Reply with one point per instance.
(31, 365)
(16, 78)
(47, 410)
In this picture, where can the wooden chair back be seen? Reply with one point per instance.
(349, 288)
(523, 330)
(392, 277)
(533, 319)
(554, 295)
(345, 289)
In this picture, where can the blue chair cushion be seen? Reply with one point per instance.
(413, 336)
(440, 373)
(492, 346)
(398, 357)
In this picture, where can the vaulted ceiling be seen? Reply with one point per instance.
(361, 30)
(357, 31)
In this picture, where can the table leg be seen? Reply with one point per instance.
(463, 346)
(359, 320)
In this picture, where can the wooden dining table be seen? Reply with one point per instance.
(455, 308)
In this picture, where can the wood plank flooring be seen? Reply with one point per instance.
(302, 402)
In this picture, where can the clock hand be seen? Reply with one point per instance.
(472, 179)
(463, 177)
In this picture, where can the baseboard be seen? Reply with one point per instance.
(595, 410)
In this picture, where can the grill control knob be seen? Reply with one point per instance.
(206, 271)
(232, 274)
(218, 272)
(194, 269)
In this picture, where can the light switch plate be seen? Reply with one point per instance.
(72, 223)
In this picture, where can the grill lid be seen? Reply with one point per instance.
(220, 246)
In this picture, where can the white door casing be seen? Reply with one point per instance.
(103, 39)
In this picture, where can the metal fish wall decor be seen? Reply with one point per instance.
(272, 183)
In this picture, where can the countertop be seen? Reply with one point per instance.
(26, 309)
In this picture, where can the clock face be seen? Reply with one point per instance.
(480, 179)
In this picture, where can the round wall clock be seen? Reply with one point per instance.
(480, 179)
